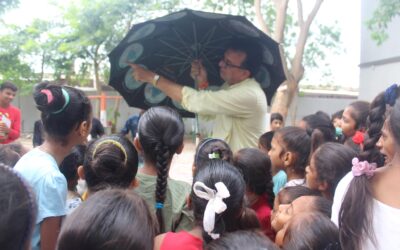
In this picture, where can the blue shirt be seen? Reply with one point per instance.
(131, 125)
(279, 180)
(41, 171)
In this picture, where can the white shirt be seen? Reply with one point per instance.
(385, 223)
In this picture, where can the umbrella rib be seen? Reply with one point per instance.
(195, 40)
(170, 57)
(173, 48)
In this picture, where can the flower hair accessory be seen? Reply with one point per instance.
(215, 203)
(363, 168)
(390, 95)
(358, 138)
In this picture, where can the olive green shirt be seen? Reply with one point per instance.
(239, 111)
(176, 214)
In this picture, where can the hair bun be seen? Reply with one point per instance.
(48, 98)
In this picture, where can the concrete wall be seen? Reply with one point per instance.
(379, 65)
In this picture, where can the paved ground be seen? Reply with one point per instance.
(181, 167)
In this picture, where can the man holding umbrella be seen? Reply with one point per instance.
(238, 108)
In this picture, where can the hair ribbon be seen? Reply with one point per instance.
(215, 203)
(115, 143)
(363, 168)
(214, 155)
(66, 97)
(48, 94)
(390, 95)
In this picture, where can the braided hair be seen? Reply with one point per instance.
(161, 132)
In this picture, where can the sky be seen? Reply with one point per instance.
(344, 67)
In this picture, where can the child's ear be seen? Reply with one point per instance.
(180, 149)
(134, 184)
(323, 186)
(84, 128)
(81, 172)
(288, 158)
(137, 144)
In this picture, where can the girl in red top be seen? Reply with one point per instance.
(256, 169)
(217, 201)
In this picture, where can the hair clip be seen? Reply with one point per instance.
(363, 168)
(390, 95)
(48, 94)
(214, 155)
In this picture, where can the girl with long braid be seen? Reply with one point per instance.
(160, 136)
(366, 205)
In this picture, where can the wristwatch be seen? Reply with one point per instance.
(155, 79)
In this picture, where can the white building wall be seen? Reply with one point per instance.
(379, 65)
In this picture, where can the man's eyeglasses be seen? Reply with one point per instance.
(227, 64)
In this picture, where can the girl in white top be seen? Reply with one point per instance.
(367, 200)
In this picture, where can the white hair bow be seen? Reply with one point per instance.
(215, 203)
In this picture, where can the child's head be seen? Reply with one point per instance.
(264, 142)
(327, 167)
(110, 162)
(211, 148)
(69, 166)
(336, 118)
(354, 118)
(11, 153)
(290, 149)
(221, 184)
(161, 132)
(108, 220)
(276, 121)
(311, 231)
(319, 128)
(66, 112)
(300, 205)
(249, 240)
(17, 210)
(390, 139)
(256, 169)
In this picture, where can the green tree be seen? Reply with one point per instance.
(386, 11)
(7, 5)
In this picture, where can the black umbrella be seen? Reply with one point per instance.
(167, 45)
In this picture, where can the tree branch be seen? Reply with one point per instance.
(259, 17)
(300, 13)
(281, 10)
(297, 66)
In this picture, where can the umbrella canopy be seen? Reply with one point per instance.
(167, 46)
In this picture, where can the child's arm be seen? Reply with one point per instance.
(49, 230)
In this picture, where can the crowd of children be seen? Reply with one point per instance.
(328, 183)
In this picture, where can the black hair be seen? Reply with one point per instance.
(337, 115)
(235, 217)
(360, 114)
(161, 131)
(276, 116)
(332, 162)
(289, 194)
(8, 156)
(266, 139)
(256, 169)
(59, 115)
(252, 48)
(212, 146)
(296, 141)
(17, 210)
(356, 224)
(311, 231)
(8, 85)
(110, 161)
(322, 205)
(238, 240)
(108, 220)
(69, 166)
(320, 128)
